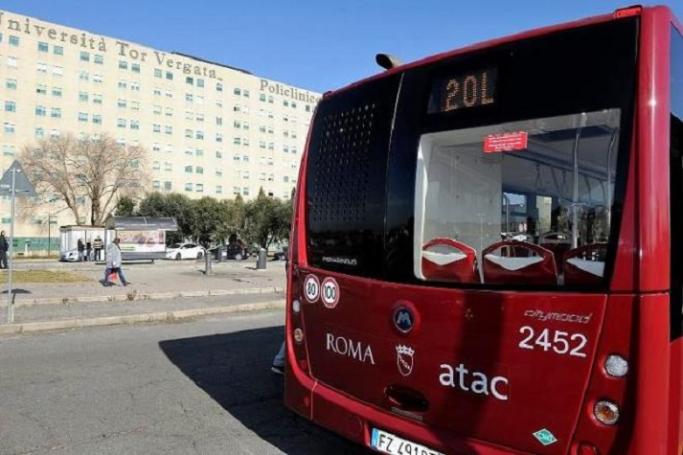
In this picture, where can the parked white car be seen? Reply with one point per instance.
(184, 251)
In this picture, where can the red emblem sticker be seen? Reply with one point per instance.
(330, 292)
(312, 288)
(506, 142)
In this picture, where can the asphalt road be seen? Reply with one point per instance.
(202, 387)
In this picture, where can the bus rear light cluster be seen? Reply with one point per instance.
(606, 412)
(296, 306)
(616, 366)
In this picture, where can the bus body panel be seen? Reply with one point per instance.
(348, 375)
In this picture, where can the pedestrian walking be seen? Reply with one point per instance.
(88, 250)
(97, 246)
(80, 246)
(4, 247)
(114, 264)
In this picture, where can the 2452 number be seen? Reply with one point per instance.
(560, 342)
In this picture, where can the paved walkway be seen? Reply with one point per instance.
(165, 278)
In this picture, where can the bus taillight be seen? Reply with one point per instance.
(626, 12)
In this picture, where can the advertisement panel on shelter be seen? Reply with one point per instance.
(142, 241)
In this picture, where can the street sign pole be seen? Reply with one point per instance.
(15, 181)
(10, 302)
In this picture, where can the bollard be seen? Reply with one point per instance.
(261, 259)
(208, 269)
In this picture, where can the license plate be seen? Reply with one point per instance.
(389, 443)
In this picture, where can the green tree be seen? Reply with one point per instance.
(125, 206)
(210, 218)
(268, 220)
(174, 205)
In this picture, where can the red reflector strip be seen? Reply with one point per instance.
(506, 142)
(627, 12)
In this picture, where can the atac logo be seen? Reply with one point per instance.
(404, 319)
(404, 359)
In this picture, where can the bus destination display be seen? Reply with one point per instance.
(462, 91)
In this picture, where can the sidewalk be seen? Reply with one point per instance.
(40, 318)
(164, 280)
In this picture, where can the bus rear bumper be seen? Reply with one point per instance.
(355, 420)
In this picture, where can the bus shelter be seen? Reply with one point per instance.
(141, 238)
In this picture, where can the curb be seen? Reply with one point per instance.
(129, 319)
(133, 296)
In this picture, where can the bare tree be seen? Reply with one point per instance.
(87, 175)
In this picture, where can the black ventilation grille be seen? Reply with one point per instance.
(346, 178)
(340, 167)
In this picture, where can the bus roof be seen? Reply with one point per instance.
(533, 33)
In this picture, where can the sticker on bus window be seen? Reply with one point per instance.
(506, 142)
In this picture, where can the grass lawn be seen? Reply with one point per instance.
(42, 276)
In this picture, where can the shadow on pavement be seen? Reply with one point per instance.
(234, 369)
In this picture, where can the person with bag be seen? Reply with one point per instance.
(97, 246)
(114, 264)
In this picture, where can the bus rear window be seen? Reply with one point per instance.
(526, 202)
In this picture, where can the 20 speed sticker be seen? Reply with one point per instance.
(312, 288)
(330, 292)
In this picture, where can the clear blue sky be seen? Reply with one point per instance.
(319, 45)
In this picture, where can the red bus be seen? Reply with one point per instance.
(487, 249)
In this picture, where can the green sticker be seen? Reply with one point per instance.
(545, 437)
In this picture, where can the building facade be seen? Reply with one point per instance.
(209, 129)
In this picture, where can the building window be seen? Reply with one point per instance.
(167, 186)
(199, 188)
(123, 64)
(262, 97)
(8, 150)
(82, 117)
(168, 166)
(188, 134)
(156, 128)
(85, 56)
(57, 91)
(121, 123)
(43, 47)
(10, 106)
(13, 63)
(237, 141)
(83, 96)
(40, 133)
(123, 84)
(245, 191)
(246, 93)
(199, 135)
(156, 147)
(156, 109)
(189, 80)
(56, 112)
(168, 129)
(11, 84)
(97, 118)
(156, 184)
(219, 154)
(135, 67)
(156, 165)
(219, 173)
(135, 124)
(9, 128)
(188, 187)
(199, 170)
(168, 112)
(41, 89)
(158, 73)
(219, 121)
(13, 40)
(40, 67)
(135, 105)
(219, 87)
(199, 152)
(58, 71)
(99, 59)
(97, 99)
(200, 117)
(200, 83)
(58, 50)
(121, 103)
(188, 97)
(169, 75)
(237, 91)
(219, 189)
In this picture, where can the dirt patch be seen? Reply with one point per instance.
(42, 276)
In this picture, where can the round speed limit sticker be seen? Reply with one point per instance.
(330, 292)
(312, 288)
